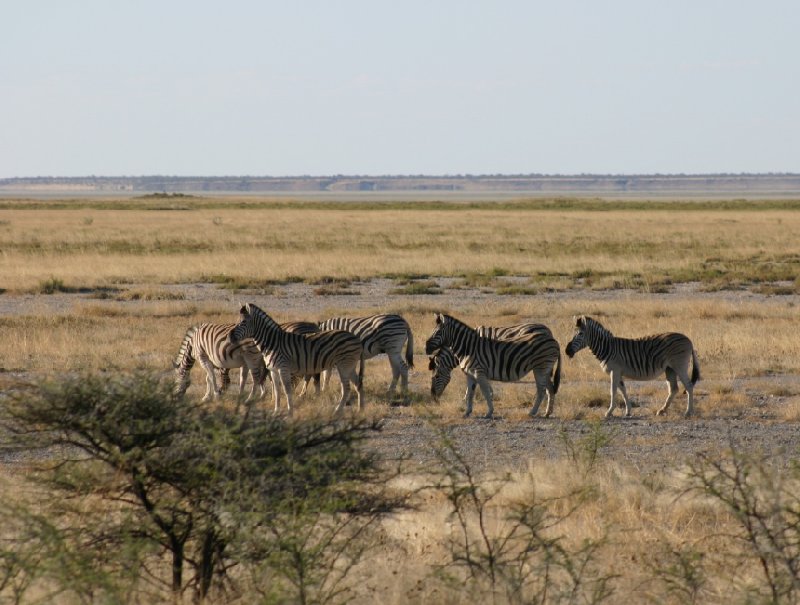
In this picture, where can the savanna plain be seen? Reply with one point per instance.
(97, 294)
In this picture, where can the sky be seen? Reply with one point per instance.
(372, 87)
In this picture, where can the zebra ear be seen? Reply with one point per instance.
(431, 363)
(579, 321)
(439, 318)
(244, 310)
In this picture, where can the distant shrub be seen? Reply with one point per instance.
(51, 286)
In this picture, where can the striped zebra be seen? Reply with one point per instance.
(207, 343)
(443, 361)
(381, 334)
(304, 327)
(286, 353)
(483, 359)
(639, 359)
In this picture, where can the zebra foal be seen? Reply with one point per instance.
(644, 358)
(483, 359)
(287, 353)
(207, 343)
(444, 361)
(381, 334)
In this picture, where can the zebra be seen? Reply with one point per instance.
(381, 334)
(305, 327)
(443, 360)
(483, 359)
(639, 359)
(286, 353)
(208, 344)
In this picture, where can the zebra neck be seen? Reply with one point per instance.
(266, 329)
(600, 342)
(463, 342)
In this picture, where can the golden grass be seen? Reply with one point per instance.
(95, 247)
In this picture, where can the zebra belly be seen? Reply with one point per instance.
(651, 373)
(495, 374)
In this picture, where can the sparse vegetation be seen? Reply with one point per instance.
(574, 522)
(415, 287)
(598, 244)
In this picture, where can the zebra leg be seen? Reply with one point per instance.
(615, 379)
(539, 395)
(276, 390)
(243, 374)
(399, 372)
(303, 390)
(672, 382)
(224, 379)
(345, 377)
(469, 396)
(359, 390)
(211, 380)
(486, 389)
(687, 384)
(285, 377)
(625, 399)
(322, 380)
(470, 389)
(543, 386)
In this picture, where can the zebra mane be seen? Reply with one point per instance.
(258, 312)
(590, 324)
(442, 318)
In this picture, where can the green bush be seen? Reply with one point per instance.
(160, 495)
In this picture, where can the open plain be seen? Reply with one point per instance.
(112, 285)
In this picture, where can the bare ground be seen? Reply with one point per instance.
(411, 434)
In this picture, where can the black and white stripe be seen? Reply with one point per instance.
(381, 334)
(444, 361)
(645, 358)
(304, 327)
(208, 344)
(286, 353)
(483, 359)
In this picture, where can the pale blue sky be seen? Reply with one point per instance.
(135, 87)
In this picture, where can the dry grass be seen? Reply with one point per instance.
(742, 341)
(609, 249)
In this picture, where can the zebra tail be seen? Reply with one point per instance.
(410, 348)
(185, 353)
(557, 376)
(695, 368)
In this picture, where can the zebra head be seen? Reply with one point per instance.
(439, 337)
(578, 341)
(246, 326)
(441, 364)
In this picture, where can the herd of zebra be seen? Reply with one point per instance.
(301, 350)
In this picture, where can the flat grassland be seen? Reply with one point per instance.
(105, 284)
